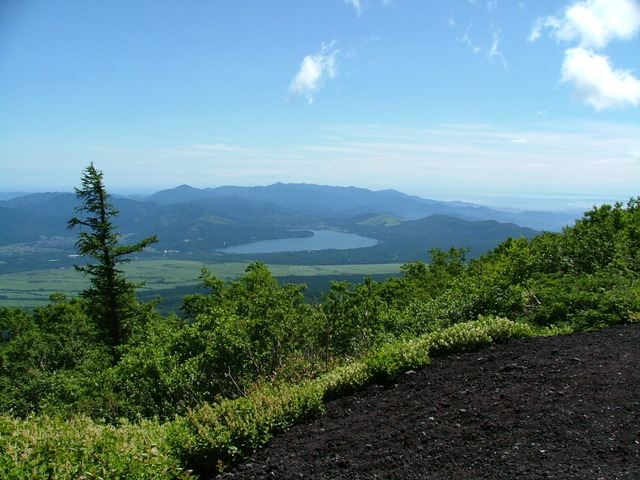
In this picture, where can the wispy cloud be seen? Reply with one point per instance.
(492, 51)
(457, 158)
(314, 71)
(220, 147)
(466, 38)
(468, 156)
(209, 150)
(591, 25)
(356, 5)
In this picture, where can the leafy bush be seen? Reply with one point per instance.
(214, 436)
(52, 448)
(473, 335)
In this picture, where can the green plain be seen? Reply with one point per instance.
(33, 288)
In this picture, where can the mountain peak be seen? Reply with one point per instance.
(184, 187)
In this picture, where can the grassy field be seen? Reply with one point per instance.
(32, 288)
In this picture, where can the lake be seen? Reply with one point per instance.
(321, 240)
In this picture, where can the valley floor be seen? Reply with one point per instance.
(555, 407)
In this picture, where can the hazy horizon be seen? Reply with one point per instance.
(570, 202)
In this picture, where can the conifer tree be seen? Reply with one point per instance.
(111, 297)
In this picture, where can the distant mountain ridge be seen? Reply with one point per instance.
(204, 221)
(344, 202)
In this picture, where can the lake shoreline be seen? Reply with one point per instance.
(319, 240)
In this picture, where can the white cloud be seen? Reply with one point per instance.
(596, 82)
(592, 24)
(314, 70)
(355, 4)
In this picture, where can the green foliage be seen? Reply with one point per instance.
(588, 301)
(50, 448)
(49, 358)
(425, 281)
(354, 318)
(153, 377)
(473, 335)
(249, 327)
(220, 434)
(587, 277)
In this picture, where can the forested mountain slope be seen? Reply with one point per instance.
(189, 220)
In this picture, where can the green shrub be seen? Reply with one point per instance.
(214, 436)
(468, 336)
(52, 448)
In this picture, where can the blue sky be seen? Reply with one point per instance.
(500, 101)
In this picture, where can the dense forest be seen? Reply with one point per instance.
(105, 386)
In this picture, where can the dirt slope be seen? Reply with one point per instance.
(564, 407)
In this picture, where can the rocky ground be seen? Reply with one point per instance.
(564, 407)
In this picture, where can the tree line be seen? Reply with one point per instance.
(108, 355)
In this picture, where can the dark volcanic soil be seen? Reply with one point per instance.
(563, 407)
